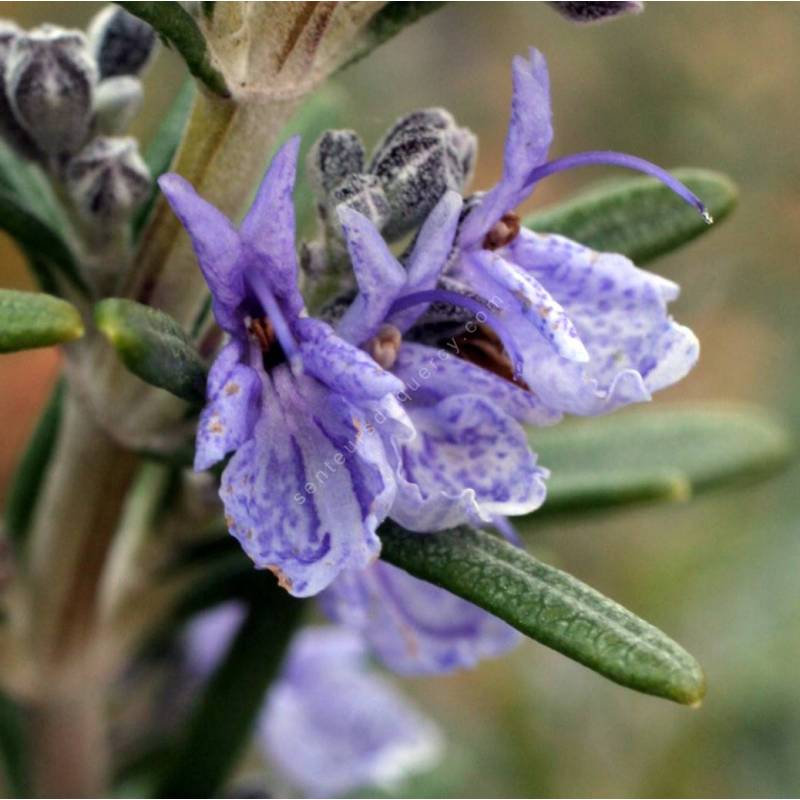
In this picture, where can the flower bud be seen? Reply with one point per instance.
(10, 129)
(116, 103)
(419, 159)
(50, 81)
(334, 156)
(365, 194)
(108, 180)
(121, 43)
(596, 11)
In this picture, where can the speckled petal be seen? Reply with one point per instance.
(434, 243)
(521, 340)
(331, 726)
(469, 460)
(208, 636)
(341, 366)
(430, 253)
(379, 274)
(621, 315)
(232, 401)
(216, 244)
(533, 301)
(305, 494)
(413, 627)
(433, 374)
(530, 132)
(269, 227)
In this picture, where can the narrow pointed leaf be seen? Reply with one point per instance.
(663, 455)
(38, 239)
(14, 756)
(153, 346)
(30, 213)
(30, 473)
(550, 606)
(26, 181)
(162, 148)
(33, 319)
(639, 217)
(393, 18)
(222, 721)
(177, 27)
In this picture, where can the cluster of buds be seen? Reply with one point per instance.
(423, 155)
(65, 97)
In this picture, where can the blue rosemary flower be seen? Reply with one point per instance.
(290, 397)
(332, 725)
(329, 724)
(414, 627)
(586, 332)
(334, 429)
(470, 460)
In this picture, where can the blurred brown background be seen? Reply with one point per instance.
(684, 84)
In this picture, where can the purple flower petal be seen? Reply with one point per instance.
(434, 243)
(469, 461)
(430, 253)
(232, 402)
(216, 244)
(532, 300)
(530, 132)
(209, 635)
(305, 494)
(433, 374)
(269, 226)
(621, 315)
(413, 627)
(331, 726)
(342, 367)
(379, 274)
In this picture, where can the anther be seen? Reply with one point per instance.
(263, 332)
(384, 346)
(503, 232)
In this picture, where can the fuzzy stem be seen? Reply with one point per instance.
(74, 523)
(75, 519)
(70, 756)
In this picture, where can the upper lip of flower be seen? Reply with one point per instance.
(529, 136)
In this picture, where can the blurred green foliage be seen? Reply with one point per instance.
(709, 85)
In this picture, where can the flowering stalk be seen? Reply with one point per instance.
(223, 150)
(394, 417)
(74, 523)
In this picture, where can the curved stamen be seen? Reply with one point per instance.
(470, 304)
(273, 311)
(612, 158)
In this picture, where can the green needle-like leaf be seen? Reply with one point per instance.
(28, 183)
(32, 319)
(30, 472)
(14, 755)
(388, 22)
(174, 24)
(153, 346)
(650, 455)
(550, 606)
(164, 144)
(30, 213)
(38, 239)
(639, 217)
(222, 721)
